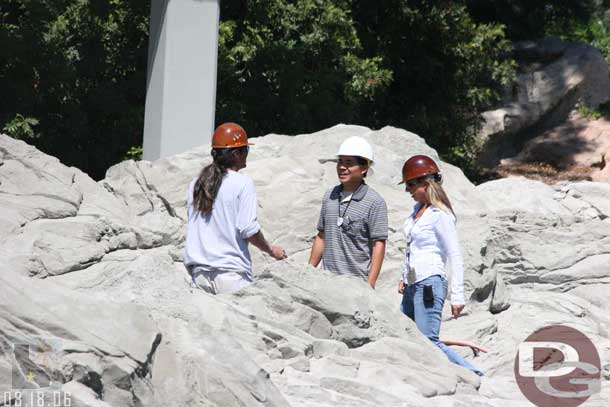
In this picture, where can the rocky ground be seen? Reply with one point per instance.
(576, 150)
(545, 128)
(92, 281)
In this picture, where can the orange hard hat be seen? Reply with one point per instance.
(418, 166)
(229, 135)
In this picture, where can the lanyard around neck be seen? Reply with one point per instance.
(341, 216)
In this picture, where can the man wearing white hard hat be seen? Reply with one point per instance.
(353, 224)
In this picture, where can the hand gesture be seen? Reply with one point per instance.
(401, 287)
(456, 310)
(278, 253)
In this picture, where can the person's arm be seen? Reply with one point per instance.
(447, 234)
(459, 342)
(378, 234)
(317, 250)
(246, 221)
(473, 346)
(248, 226)
(376, 261)
(259, 241)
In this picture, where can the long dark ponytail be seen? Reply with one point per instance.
(210, 179)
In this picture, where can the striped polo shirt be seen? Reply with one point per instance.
(348, 247)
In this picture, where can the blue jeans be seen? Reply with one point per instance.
(427, 317)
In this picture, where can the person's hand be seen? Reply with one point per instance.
(480, 348)
(456, 310)
(401, 287)
(278, 253)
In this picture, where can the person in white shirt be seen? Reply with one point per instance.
(432, 241)
(222, 218)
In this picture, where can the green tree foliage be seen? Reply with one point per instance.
(527, 19)
(586, 21)
(74, 73)
(594, 31)
(299, 66)
(293, 66)
(446, 69)
(22, 128)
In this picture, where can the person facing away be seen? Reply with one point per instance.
(222, 218)
(353, 223)
(432, 240)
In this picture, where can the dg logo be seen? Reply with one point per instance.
(558, 366)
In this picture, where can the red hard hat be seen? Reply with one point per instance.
(229, 135)
(418, 166)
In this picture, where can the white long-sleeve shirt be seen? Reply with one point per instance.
(432, 241)
(219, 240)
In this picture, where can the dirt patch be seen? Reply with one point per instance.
(576, 150)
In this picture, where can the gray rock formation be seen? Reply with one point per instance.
(93, 283)
(555, 77)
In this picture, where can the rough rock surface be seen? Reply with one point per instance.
(555, 77)
(92, 271)
(578, 149)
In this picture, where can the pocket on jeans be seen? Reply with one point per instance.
(428, 296)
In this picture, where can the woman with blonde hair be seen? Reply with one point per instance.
(432, 241)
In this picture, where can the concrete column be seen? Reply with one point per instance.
(181, 85)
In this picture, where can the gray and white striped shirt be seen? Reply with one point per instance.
(348, 247)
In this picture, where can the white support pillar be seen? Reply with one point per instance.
(181, 85)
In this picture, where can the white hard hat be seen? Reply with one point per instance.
(356, 146)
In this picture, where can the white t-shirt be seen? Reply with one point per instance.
(433, 242)
(219, 240)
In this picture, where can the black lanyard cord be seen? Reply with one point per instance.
(339, 201)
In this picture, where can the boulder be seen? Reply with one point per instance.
(99, 273)
(555, 77)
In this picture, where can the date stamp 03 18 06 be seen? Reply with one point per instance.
(37, 398)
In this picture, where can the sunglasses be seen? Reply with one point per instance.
(410, 184)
